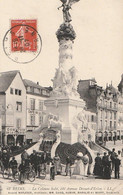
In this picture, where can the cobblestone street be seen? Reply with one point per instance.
(64, 185)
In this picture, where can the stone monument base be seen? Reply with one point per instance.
(66, 109)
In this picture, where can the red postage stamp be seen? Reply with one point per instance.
(23, 35)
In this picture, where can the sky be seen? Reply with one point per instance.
(97, 49)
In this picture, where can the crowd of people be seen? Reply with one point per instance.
(37, 162)
(104, 166)
(107, 165)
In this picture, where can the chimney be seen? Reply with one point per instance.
(37, 83)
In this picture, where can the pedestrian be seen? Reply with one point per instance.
(113, 156)
(52, 170)
(39, 165)
(98, 169)
(27, 164)
(109, 156)
(57, 164)
(85, 160)
(5, 159)
(13, 166)
(24, 155)
(68, 166)
(119, 155)
(117, 167)
(79, 167)
(22, 169)
(44, 160)
(33, 160)
(106, 166)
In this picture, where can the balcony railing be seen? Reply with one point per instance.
(107, 106)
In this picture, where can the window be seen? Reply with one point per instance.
(106, 114)
(40, 119)
(101, 113)
(114, 105)
(114, 115)
(44, 92)
(18, 123)
(36, 90)
(28, 89)
(110, 124)
(105, 125)
(92, 118)
(110, 115)
(41, 104)
(11, 91)
(17, 92)
(32, 104)
(106, 103)
(32, 119)
(115, 125)
(101, 123)
(110, 104)
(19, 106)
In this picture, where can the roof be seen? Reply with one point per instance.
(112, 89)
(29, 83)
(92, 79)
(121, 83)
(6, 79)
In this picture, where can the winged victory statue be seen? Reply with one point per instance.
(66, 6)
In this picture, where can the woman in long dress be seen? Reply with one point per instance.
(98, 166)
(106, 167)
(79, 166)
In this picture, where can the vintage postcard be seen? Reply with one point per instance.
(61, 97)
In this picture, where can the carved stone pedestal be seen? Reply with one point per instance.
(66, 109)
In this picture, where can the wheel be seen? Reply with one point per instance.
(31, 176)
(6, 174)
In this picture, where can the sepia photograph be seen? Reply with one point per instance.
(61, 97)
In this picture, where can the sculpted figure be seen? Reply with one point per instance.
(66, 14)
(66, 7)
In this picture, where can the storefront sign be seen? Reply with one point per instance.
(11, 130)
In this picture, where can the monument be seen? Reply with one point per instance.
(65, 101)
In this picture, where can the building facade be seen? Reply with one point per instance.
(12, 108)
(104, 103)
(120, 107)
(35, 108)
(22, 108)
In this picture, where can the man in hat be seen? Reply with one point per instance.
(5, 159)
(13, 166)
(24, 155)
(68, 166)
(117, 167)
(52, 170)
(33, 160)
(113, 157)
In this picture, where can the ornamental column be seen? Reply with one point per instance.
(65, 102)
(65, 36)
